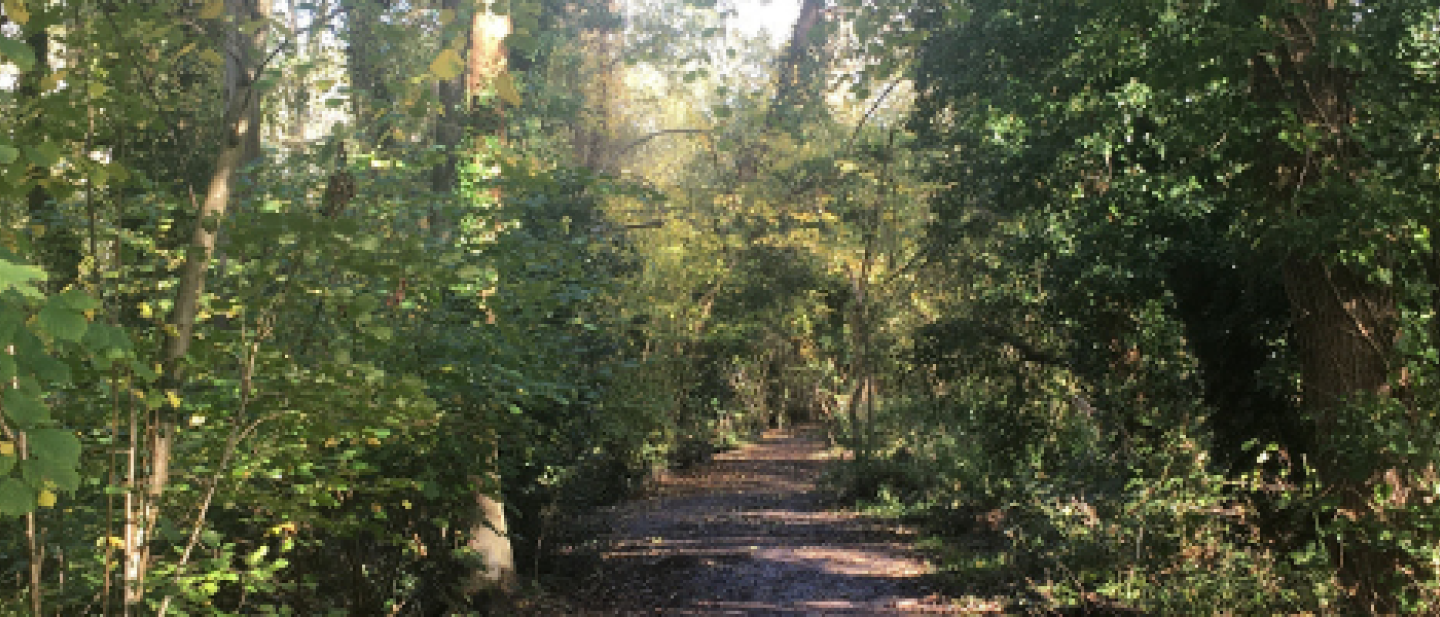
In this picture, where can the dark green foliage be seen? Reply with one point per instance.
(1124, 335)
(1095, 372)
(1235, 322)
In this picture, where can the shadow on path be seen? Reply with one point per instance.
(750, 535)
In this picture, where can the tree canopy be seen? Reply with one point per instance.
(349, 305)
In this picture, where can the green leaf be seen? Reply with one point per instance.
(18, 52)
(143, 371)
(212, 9)
(24, 410)
(364, 305)
(61, 321)
(99, 337)
(19, 276)
(8, 154)
(17, 11)
(11, 316)
(7, 463)
(77, 300)
(47, 369)
(16, 497)
(44, 155)
(55, 444)
(448, 65)
(255, 558)
(38, 471)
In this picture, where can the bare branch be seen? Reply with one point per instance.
(641, 141)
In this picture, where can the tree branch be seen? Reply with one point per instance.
(641, 141)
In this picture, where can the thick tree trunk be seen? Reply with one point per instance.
(1345, 325)
(801, 64)
(489, 539)
(798, 83)
(241, 142)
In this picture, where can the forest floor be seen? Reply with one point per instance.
(752, 533)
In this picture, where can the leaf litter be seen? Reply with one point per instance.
(751, 533)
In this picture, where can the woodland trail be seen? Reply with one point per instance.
(751, 534)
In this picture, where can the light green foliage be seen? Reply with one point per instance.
(1047, 305)
(347, 375)
(38, 335)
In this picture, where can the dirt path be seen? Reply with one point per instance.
(750, 535)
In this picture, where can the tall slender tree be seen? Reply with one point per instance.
(488, 536)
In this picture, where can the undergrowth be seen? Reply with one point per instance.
(1073, 520)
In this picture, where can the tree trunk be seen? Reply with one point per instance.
(370, 93)
(1345, 325)
(801, 66)
(602, 85)
(488, 535)
(798, 85)
(240, 140)
(449, 127)
(59, 250)
(489, 538)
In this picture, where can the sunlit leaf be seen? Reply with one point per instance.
(17, 12)
(213, 9)
(448, 65)
(505, 89)
(13, 275)
(52, 81)
(212, 57)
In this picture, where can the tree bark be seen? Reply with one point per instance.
(239, 143)
(449, 127)
(797, 83)
(595, 140)
(800, 64)
(488, 536)
(369, 90)
(1345, 324)
(1345, 328)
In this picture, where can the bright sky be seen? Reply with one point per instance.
(775, 16)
